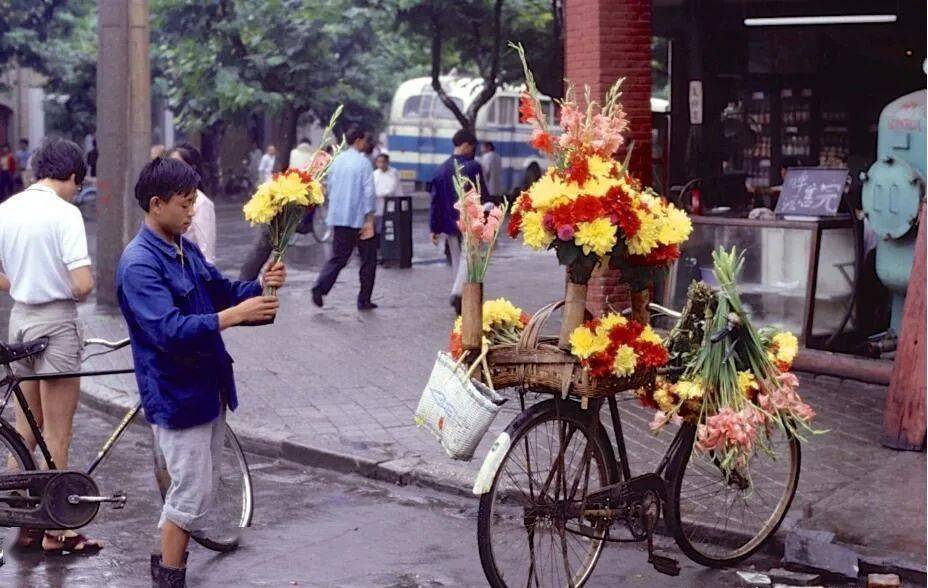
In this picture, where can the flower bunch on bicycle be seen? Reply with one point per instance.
(616, 346)
(587, 206)
(502, 325)
(735, 388)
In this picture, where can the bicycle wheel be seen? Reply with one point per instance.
(233, 501)
(720, 523)
(320, 229)
(529, 523)
(14, 459)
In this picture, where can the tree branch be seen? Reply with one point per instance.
(491, 79)
(436, 71)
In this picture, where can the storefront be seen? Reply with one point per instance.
(757, 87)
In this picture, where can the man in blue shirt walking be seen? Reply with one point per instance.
(350, 185)
(175, 304)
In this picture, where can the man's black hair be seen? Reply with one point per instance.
(304, 140)
(59, 159)
(356, 132)
(385, 156)
(464, 136)
(192, 157)
(165, 178)
(489, 145)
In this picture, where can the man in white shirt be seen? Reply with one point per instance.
(266, 167)
(301, 155)
(386, 182)
(43, 254)
(492, 167)
(202, 229)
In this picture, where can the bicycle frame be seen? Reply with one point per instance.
(12, 383)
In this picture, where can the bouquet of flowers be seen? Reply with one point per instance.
(587, 206)
(502, 325)
(281, 202)
(734, 391)
(616, 346)
(479, 228)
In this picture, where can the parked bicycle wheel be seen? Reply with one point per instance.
(530, 530)
(233, 501)
(720, 523)
(14, 458)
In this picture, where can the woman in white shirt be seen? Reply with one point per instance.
(202, 229)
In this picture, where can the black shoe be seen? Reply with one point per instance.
(366, 306)
(165, 577)
(317, 298)
(456, 303)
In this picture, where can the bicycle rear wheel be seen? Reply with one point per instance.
(320, 230)
(14, 459)
(530, 530)
(719, 523)
(233, 499)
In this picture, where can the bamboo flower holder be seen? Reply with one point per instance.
(472, 316)
(574, 313)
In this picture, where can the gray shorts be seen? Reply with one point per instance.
(193, 457)
(59, 322)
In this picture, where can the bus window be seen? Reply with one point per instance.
(411, 107)
(548, 107)
(506, 111)
(442, 111)
(491, 111)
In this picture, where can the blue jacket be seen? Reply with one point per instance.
(443, 217)
(350, 183)
(170, 303)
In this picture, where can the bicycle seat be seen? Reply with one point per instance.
(10, 352)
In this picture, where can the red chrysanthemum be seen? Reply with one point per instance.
(543, 141)
(578, 170)
(622, 208)
(650, 354)
(456, 345)
(515, 224)
(587, 209)
(662, 255)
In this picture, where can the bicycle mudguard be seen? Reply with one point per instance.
(491, 463)
(48, 500)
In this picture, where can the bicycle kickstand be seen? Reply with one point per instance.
(664, 565)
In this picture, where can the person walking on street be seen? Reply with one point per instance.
(7, 171)
(386, 183)
(492, 166)
(43, 253)
(202, 231)
(350, 185)
(266, 167)
(22, 164)
(443, 217)
(175, 305)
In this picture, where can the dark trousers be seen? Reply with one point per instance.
(344, 240)
(6, 185)
(256, 259)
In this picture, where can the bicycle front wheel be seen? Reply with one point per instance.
(233, 499)
(718, 522)
(531, 526)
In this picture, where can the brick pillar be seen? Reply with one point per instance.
(607, 40)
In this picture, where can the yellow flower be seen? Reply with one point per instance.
(500, 313)
(648, 335)
(786, 346)
(747, 382)
(533, 231)
(458, 323)
(597, 236)
(648, 233)
(675, 226)
(316, 195)
(290, 189)
(260, 208)
(600, 167)
(688, 390)
(625, 361)
(664, 399)
(610, 320)
(546, 190)
(584, 343)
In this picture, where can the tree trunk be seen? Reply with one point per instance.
(211, 148)
(285, 135)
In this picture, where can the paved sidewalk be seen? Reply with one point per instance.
(337, 388)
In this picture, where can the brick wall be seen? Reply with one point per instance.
(607, 40)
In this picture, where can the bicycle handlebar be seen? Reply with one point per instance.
(109, 344)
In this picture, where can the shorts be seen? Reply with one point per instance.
(194, 458)
(59, 322)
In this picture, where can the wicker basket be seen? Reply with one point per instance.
(538, 364)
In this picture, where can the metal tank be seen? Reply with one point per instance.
(893, 191)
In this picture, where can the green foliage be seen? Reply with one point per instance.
(25, 25)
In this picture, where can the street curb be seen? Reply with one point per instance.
(408, 471)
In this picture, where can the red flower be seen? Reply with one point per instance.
(515, 224)
(650, 354)
(587, 209)
(542, 141)
(662, 255)
(456, 345)
(600, 365)
(578, 170)
(527, 108)
(623, 210)
(524, 319)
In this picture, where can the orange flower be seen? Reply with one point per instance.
(542, 141)
(526, 108)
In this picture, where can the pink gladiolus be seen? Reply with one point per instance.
(497, 213)
(320, 161)
(565, 232)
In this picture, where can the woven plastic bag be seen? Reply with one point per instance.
(457, 409)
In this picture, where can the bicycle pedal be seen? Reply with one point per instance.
(118, 501)
(665, 565)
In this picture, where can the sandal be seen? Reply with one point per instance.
(76, 544)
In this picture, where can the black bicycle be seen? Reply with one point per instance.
(563, 489)
(69, 499)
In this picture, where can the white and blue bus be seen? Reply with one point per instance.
(421, 126)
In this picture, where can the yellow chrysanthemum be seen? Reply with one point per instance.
(533, 231)
(598, 186)
(648, 234)
(625, 361)
(747, 383)
(787, 346)
(290, 189)
(546, 190)
(597, 236)
(610, 320)
(260, 208)
(458, 323)
(664, 399)
(600, 167)
(500, 313)
(649, 335)
(584, 343)
(689, 390)
(675, 226)
(316, 195)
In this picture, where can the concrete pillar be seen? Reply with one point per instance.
(123, 131)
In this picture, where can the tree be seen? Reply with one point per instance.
(25, 25)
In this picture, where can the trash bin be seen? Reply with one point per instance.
(396, 240)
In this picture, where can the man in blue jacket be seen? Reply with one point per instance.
(443, 217)
(175, 304)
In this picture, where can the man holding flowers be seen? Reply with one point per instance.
(176, 304)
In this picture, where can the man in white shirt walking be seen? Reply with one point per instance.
(266, 167)
(386, 182)
(43, 254)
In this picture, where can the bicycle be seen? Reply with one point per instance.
(559, 491)
(70, 499)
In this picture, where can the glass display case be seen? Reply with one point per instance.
(797, 275)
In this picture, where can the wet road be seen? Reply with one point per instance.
(311, 528)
